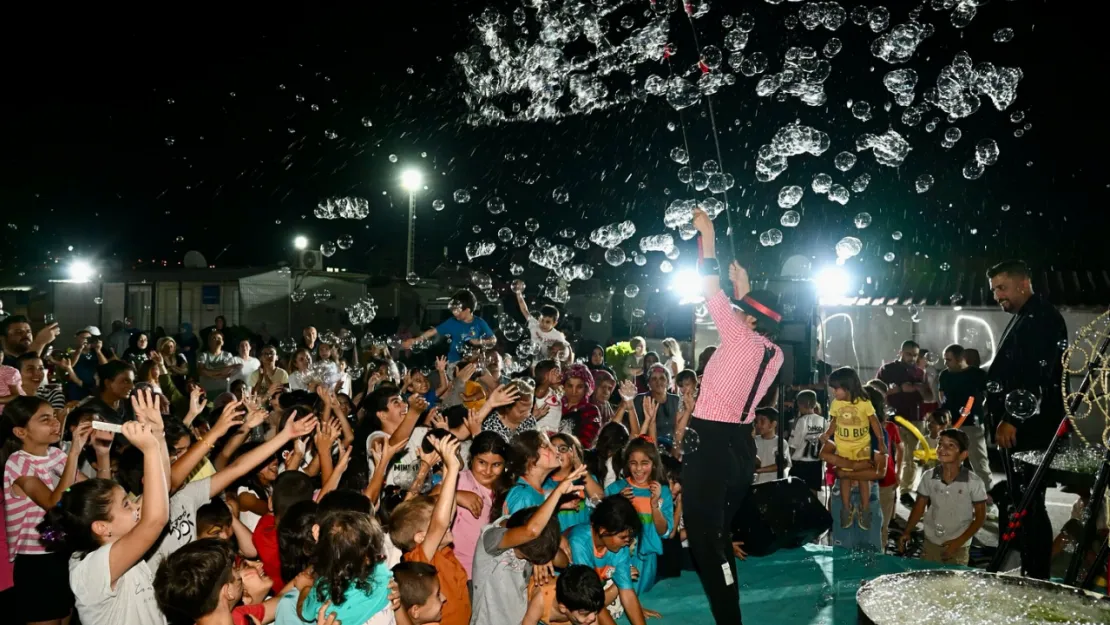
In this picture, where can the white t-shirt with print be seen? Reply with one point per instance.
(804, 443)
(182, 527)
(407, 465)
(213, 387)
(131, 601)
(550, 421)
(543, 338)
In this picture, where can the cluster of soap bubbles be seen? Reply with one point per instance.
(986, 154)
(803, 76)
(321, 296)
(889, 148)
(612, 235)
(532, 67)
(363, 311)
(960, 86)
(708, 177)
(790, 140)
(548, 255)
(680, 214)
(343, 208)
(478, 249)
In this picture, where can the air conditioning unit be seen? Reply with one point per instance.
(310, 260)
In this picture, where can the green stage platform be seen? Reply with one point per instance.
(812, 585)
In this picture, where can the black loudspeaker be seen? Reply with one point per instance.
(783, 514)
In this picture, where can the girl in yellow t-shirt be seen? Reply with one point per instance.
(852, 424)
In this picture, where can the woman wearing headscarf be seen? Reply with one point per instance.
(595, 357)
(580, 416)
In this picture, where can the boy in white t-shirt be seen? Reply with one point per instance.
(542, 330)
(805, 444)
(767, 446)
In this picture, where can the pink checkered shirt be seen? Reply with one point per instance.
(729, 376)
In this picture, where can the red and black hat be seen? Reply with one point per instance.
(764, 306)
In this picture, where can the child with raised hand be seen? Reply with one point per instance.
(350, 572)
(531, 459)
(579, 597)
(853, 422)
(36, 473)
(954, 515)
(422, 530)
(574, 511)
(513, 549)
(109, 535)
(604, 546)
(645, 485)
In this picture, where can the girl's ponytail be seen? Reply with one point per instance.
(67, 527)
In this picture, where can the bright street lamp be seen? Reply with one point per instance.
(300, 242)
(411, 180)
(81, 271)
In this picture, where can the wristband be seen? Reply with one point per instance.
(709, 267)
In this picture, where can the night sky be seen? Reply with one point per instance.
(135, 138)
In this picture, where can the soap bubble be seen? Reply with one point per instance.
(859, 185)
(462, 196)
(888, 257)
(680, 156)
(631, 291)
(345, 242)
(839, 193)
(923, 183)
(518, 286)
(516, 269)
(790, 195)
(327, 248)
(932, 358)
(952, 135)
(896, 235)
(637, 313)
(822, 183)
(614, 256)
(861, 110)
(685, 175)
(298, 295)
(393, 158)
(1021, 404)
(889, 311)
(844, 161)
(790, 219)
(848, 247)
(100, 300)
(412, 278)
(438, 205)
(945, 266)
(595, 317)
(666, 266)
(505, 234)
(1003, 35)
(495, 205)
(915, 311)
(366, 121)
(476, 229)
(639, 259)
(862, 220)
(477, 249)
(973, 170)
(994, 387)
(288, 346)
(566, 233)
(690, 442)
(531, 224)
(986, 152)
(320, 296)
(560, 195)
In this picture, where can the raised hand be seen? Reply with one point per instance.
(702, 222)
(474, 422)
(141, 436)
(102, 441)
(429, 458)
(503, 396)
(326, 434)
(297, 428)
(628, 390)
(448, 448)
(651, 408)
(438, 420)
(146, 409)
(81, 435)
(230, 417)
(344, 459)
(196, 400)
(467, 372)
(441, 363)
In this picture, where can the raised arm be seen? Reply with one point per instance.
(132, 546)
(444, 512)
(43, 495)
(294, 429)
(523, 305)
(531, 530)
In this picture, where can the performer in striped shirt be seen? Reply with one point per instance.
(717, 474)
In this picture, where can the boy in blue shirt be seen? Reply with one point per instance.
(603, 545)
(463, 326)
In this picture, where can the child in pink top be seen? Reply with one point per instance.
(475, 493)
(9, 380)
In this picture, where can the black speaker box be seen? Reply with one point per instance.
(783, 514)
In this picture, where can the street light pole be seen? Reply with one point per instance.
(412, 232)
(411, 179)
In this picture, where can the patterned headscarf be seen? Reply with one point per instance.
(582, 372)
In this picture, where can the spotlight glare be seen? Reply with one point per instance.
(411, 179)
(832, 283)
(81, 271)
(300, 242)
(686, 283)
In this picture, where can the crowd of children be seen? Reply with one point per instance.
(450, 497)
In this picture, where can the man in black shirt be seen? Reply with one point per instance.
(958, 383)
(15, 334)
(1028, 359)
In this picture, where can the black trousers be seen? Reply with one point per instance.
(1035, 537)
(715, 480)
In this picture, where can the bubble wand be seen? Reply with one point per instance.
(965, 411)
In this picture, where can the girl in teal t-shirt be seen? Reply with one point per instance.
(645, 485)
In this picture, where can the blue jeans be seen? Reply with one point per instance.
(854, 537)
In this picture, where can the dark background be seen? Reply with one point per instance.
(90, 100)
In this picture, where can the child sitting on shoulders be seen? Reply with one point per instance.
(853, 423)
(418, 584)
(645, 485)
(957, 503)
(421, 529)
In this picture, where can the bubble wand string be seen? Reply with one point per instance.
(689, 8)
